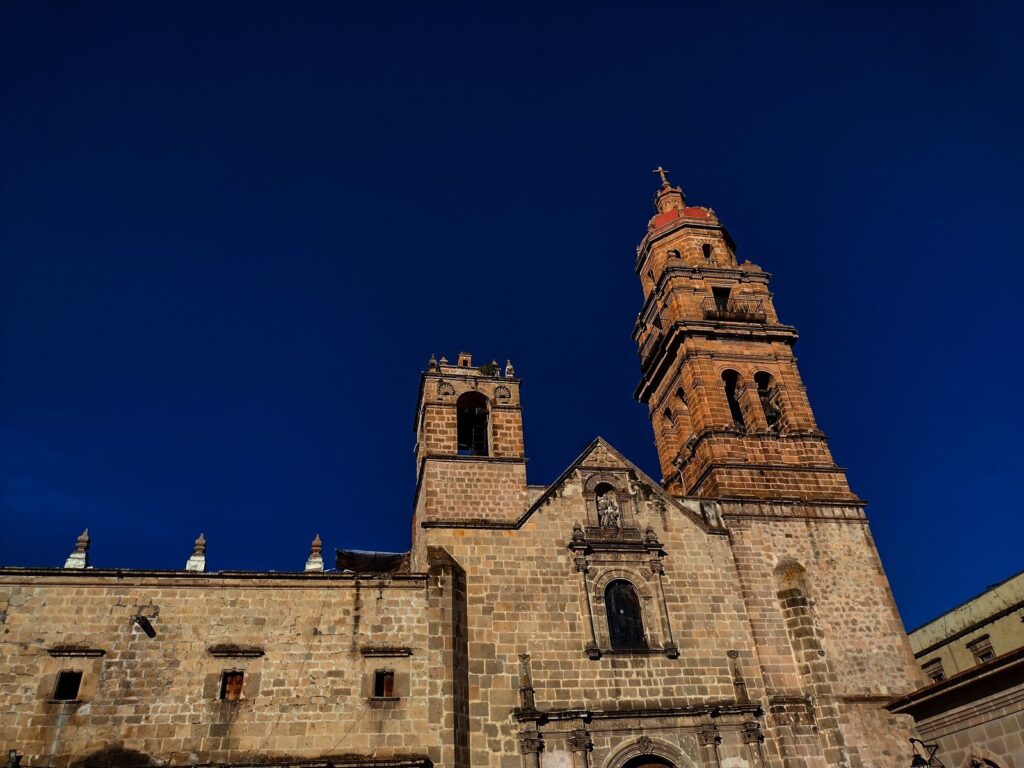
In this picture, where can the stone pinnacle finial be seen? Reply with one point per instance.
(509, 370)
(197, 562)
(315, 561)
(664, 175)
(432, 363)
(79, 557)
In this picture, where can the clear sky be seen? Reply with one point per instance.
(232, 234)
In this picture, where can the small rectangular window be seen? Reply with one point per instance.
(981, 649)
(231, 685)
(68, 683)
(934, 670)
(383, 684)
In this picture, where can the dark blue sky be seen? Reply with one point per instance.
(232, 234)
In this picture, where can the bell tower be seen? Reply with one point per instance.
(470, 459)
(730, 414)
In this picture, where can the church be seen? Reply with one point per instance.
(733, 613)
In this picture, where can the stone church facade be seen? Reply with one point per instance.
(734, 614)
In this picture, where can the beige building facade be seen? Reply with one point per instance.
(732, 614)
(972, 708)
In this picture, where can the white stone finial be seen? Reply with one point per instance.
(509, 370)
(315, 561)
(197, 562)
(79, 557)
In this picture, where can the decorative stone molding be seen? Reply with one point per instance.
(197, 560)
(79, 557)
(315, 561)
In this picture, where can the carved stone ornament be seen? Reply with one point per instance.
(752, 733)
(530, 742)
(579, 741)
(709, 736)
(445, 389)
(645, 745)
(502, 393)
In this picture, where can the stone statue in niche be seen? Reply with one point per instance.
(608, 515)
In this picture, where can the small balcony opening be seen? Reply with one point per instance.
(721, 299)
(383, 684)
(231, 685)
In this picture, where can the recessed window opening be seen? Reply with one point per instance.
(681, 395)
(721, 298)
(68, 684)
(231, 685)
(383, 684)
(707, 249)
(668, 414)
(765, 391)
(675, 254)
(471, 418)
(934, 670)
(731, 379)
(625, 623)
(981, 649)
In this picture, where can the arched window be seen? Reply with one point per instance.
(681, 395)
(731, 379)
(625, 624)
(471, 415)
(707, 249)
(765, 390)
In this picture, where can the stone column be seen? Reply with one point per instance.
(531, 744)
(580, 745)
(579, 547)
(753, 738)
(709, 739)
(657, 567)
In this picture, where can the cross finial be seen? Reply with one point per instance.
(661, 172)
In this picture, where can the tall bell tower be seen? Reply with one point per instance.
(730, 414)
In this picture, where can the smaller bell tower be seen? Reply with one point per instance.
(470, 459)
(730, 413)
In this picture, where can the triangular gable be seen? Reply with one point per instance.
(599, 453)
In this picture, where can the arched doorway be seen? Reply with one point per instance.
(648, 761)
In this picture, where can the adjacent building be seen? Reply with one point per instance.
(731, 614)
(973, 656)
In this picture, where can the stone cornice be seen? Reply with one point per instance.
(140, 577)
(1009, 666)
(706, 709)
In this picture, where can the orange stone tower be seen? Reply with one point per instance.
(730, 414)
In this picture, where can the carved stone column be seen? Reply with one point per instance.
(579, 547)
(580, 745)
(753, 738)
(531, 744)
(658, 568)
(709, 739)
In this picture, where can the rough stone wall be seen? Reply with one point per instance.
(830, 640)
(308, 694)
(467, 488)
